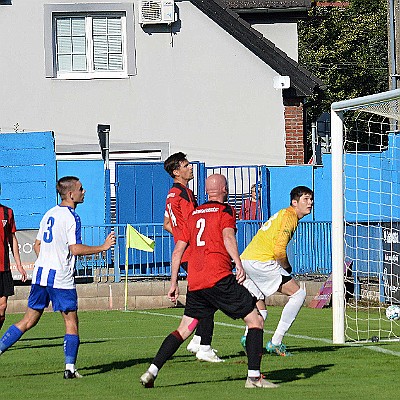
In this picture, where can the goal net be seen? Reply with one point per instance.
(365, 217)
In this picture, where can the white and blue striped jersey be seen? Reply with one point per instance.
(55, 266)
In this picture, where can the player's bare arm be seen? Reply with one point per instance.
(85, 250)
(36, 247)
(167, 225)
(17, 258)
(176, 258)
(232, 249)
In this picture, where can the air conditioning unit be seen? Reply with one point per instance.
(156, 12)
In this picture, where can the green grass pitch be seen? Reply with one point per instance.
(117, 347)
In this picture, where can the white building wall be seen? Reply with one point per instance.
(199, 89)
(282, 35)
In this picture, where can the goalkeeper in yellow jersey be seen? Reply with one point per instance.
(268, 269)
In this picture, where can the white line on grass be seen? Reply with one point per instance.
(323, 340)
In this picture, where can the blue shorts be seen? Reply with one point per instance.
(61, 299)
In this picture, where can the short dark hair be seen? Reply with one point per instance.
(65, 184)
(173, 162)
(298, 191)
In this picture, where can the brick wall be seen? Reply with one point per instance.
(294, 132)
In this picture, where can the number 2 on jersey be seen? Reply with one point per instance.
(200, 224)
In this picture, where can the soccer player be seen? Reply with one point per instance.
(8, 240)
(179, 204)
(211, 233)
(268, 269)
(57, 244)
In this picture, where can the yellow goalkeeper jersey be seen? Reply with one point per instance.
(271, 240)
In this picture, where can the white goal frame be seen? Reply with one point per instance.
(337, 113)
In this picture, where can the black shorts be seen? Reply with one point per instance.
(227, 295)
(6, 284)
(286, 279)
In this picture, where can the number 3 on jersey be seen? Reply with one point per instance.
(48, 235)
(201, 225)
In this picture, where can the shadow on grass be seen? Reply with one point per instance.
(39, 338)
(279, 376)
(295, 374)
(316, 349)
(294, 350)
(202, 381)
(115, 365)
(25, 343)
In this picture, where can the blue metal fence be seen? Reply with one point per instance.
(309, 251)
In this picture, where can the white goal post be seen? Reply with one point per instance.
(357, 194)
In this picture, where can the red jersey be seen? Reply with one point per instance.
(7, 228)
(208, 259)
(179, 204)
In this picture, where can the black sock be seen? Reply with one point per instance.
(254, 348)
(205, 330)
(167, 349)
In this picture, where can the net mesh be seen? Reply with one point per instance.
(371, 157)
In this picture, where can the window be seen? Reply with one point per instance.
(87, 41)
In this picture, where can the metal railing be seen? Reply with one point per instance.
(309, 251)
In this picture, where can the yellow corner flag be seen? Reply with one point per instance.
(134, 240)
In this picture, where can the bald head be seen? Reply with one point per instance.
(216, 187)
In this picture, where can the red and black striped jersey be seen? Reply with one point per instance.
(7, 228)
(208, 259)
(179, 204)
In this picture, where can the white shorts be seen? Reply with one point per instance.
(263, 278)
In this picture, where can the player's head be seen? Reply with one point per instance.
(178, 167)
(217, 187)
(302, 199)
(70, 188)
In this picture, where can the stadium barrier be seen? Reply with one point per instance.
(309, 251)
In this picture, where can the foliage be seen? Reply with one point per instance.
(347, 48)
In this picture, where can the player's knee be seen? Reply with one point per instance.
(186, 328)
(255, 320)
(299, 296)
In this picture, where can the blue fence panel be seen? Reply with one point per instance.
(141, 189)
(240, 180)
(363, 245)
(310, 250)
(97, 266)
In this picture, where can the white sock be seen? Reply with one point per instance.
(153, 370)
(252, 373)
(196, 339)
(264, 314)
(70, 367)
(246, 330)
(289, 314)
(205, 347)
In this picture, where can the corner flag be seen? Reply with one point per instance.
(134, 240)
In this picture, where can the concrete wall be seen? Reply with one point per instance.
(141, 295)
(197, 88)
